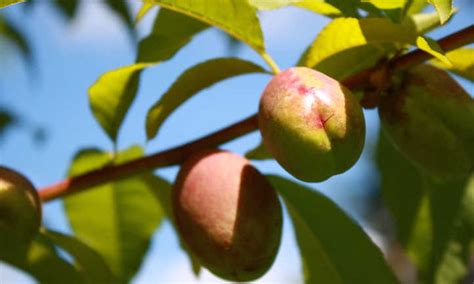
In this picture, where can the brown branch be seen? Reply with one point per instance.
(178, 154)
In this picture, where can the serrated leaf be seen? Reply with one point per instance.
(116, 219)
(323, 232)
(386, 4)
(90, 264)
(5, 3)
(432, 47)
(236, 17)
(425, 211)
(144, 9)
(113, 93)
(258, 153)
(162, 190)
(360, 38)
(192, 81)
(462, 62)
(444, 9)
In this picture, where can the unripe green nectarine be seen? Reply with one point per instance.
(20, 209)
(430, 119)
(312, 125)
(228, 215)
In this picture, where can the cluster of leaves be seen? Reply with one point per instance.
(434, 224)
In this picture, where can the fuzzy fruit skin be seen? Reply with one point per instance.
(20, 209)
(228, 215)
(313, 126)
(431, 120)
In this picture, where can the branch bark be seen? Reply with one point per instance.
(178, 154)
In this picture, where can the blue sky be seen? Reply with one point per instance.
(71, 57)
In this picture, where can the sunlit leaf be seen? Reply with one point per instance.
(5, 3)
(236, 17)
(331, 244)
(258, 153)
(432, 47)
(112, 94)
(363, 41)
(317, 6)
(386, 4)
(423, 22)
(462, 62)
(320, 7)
(192, 81)
(115, 219)
(444, 9)
(91, 265)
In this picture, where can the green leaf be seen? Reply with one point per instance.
(113, 93)
(171, 31)
(425, 211)
(346, 45)
(462, 62)
(331, 245)
(67, 7)
(415, 6)
(5, 3)
(384, 4)
(432, 47)
(192, 81)
(397, 173)
(162, 190)
(91, 265)
(258, 153)
(144, 9)
(44, 264)
(444, 8)
(120, 8)
(317, 6)
(116, 219)
(423, 22)
(14, 36)
(236, 17)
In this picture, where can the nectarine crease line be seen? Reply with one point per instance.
(178, 154)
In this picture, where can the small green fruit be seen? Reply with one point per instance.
(228, 215)
(313, 126)
(430, 119)
(20, 210)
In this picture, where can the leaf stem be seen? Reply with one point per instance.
(270, 62)
(178, 154)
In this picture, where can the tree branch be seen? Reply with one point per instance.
(178, 154)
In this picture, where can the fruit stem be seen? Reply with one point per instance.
(178, 154)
